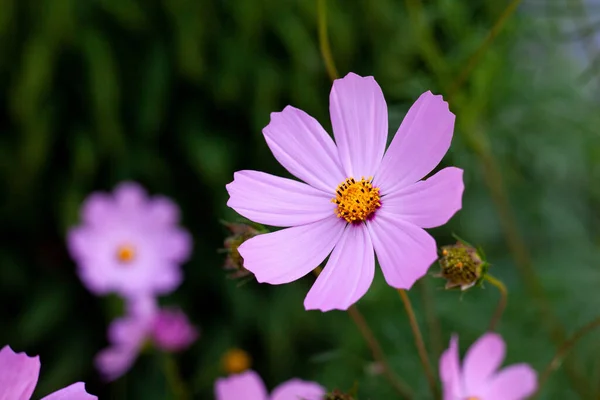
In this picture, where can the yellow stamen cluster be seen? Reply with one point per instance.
(356, 200)
(125, 253)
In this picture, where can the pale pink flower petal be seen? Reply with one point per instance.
(172, 331)
(303, 147)
(276, 201)
(97, 209)
(113, 362)
(405, 251)
(296, 389)
(419, 145)
(450, 371)
(431, 202)
(516, 382)
(359, 119)
(289, 254)
(130, 197)
(18, 374)
(247, 385)
(348, 273)
(74, 392)
(163, 211)
(482, 360)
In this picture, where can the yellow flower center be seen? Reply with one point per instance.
(356, 200)
(125, 253)
(472, 398)
(236, 361)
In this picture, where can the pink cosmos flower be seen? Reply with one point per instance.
(167, 329)
(357, 201)
(479, 377)
(129, 243)
(19, 375)
(249, 386)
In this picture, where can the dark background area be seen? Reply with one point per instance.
(174, 94)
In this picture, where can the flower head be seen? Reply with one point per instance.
(248, 385)
(479, 377)
(172, 331)
(129, 243)
(19, 375)
(461, 265)
(358, 199)
(145, 324)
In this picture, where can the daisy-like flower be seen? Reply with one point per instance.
(358, 199)
(166, 329)
(129, 243)
(479, 378)
(19, 375)
(249, 386)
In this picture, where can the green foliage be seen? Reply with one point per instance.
(174, 94)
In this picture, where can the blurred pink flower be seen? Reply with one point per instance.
(358, 201)
(167, 329)
(479, 377)
(129, 243)
(249, 386)
(19, 375)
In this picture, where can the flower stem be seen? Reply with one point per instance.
(433, 323)
(324, 40)
(402, 388)
(501, 303)
(359, 320)
(556, 361)
(476, 57)
(174, 379)
(420, 344)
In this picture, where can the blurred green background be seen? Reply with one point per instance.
(174, 94)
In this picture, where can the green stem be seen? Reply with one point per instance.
(501, 303)
(556, 361)
(324, 40)
(433, 323)
(173, 375)
(420, 343)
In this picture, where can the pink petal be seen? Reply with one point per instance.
(74, 392)
(482, 360)
(429, 203)
(162, 211)
(404, 250)
(296, 389)
(176, 245)
(113, 362)
(348, 273)
(18, 374)
(303, 147)
(516, 382)
(289, 254)
(246, 385)
(130, 196)
(97, 209)
(450, 371)
(419, 145)
(276, 201)
(360, 123)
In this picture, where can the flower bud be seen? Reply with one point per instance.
(461, 265)
(240, 232)
(235, 361)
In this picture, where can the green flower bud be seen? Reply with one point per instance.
(461, 266)
(240, 232)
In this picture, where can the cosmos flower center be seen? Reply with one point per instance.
(472, 398)
(125, 253)
(356, 200)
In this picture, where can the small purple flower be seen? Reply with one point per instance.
(168, 330)
(479, 378)
(358, 200)
(19, 375)
(172, 331)
(249, 386)
(129, 243)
